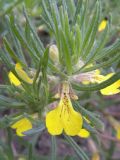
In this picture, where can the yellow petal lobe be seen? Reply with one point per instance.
(84, 133)
(118, 133)
(13, 79)
(113, 88)
(72, 123)
(72, 120)
(109, 91)
(95, 156)
(22, 74)
(53, 121)
(21, 126)
(102, 25)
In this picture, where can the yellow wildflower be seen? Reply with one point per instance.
(103, 24)
(21, 126)
(113, 88)
(110, 90)
(96, 77)
(64, 117)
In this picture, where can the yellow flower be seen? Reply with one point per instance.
(103, 24)
(96, 77)
(21, 73)
(13, 79)
(113, 88)
(110, 90)
(64, 117)
(21, 126)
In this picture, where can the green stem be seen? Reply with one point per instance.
(30, 152)
(53, 151)
(9, 140)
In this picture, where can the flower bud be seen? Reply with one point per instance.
(54, 53)
(79, 64)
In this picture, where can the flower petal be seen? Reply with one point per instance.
(22, 74)
(84, 133)
(110, 90)
(21, 126)
(118, 133)
(20, 122)
(13, 79)
(72, 122)
(53, 121)
(20, 130)
(102, 25)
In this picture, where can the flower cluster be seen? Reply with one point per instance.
(64, 118)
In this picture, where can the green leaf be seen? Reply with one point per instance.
(89, 30)
(69, 157)
(93, 32)
(9, 143)
(71, 8)
(10, 7)
(54, 69)
(23, 41)
(109, 51)
(6, 59)
(39, 44)
(100, 44)
(45, 59)
(16, 43)
(66, 53)
(35, 130)
(83, 14)
(78, 149)
(11, 52)
(89, 115)
(77, 12)
(78, 40)
(48, 16)
(2, 155)
(103, 64)
(30, 152)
